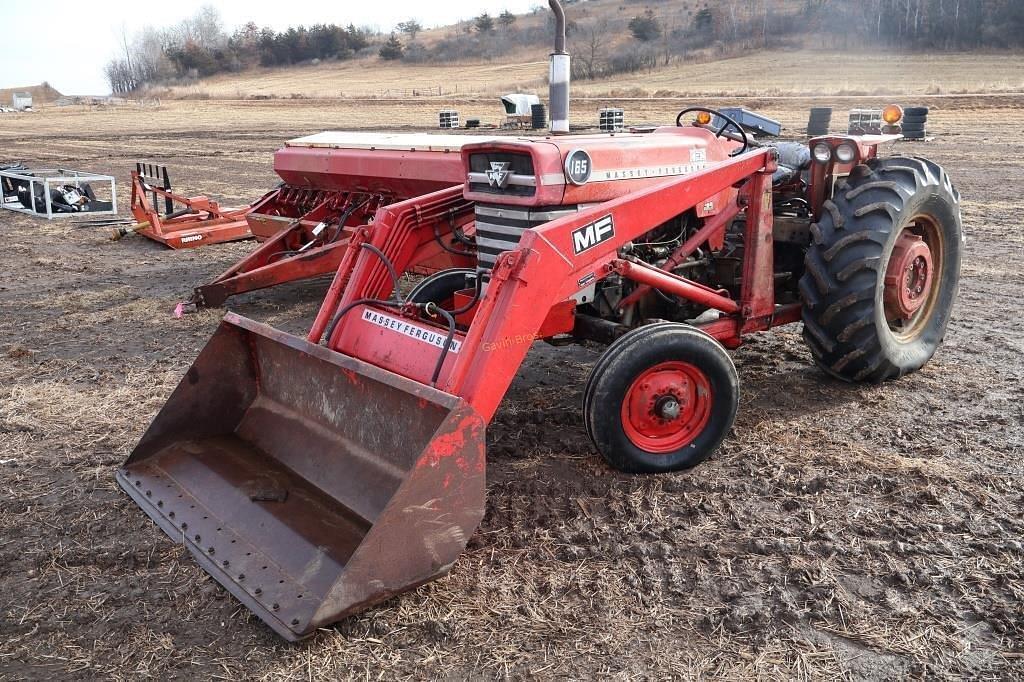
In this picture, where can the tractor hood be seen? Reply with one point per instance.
(584, 169)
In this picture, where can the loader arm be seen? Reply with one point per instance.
(546, 270)
(530, 284)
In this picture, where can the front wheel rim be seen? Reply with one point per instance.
(666, 407)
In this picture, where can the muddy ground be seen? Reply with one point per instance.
(859, 531)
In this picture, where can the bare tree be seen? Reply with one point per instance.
(591, 56)
(127, 52)
(204, 29)
(120, 71)
(667, 27)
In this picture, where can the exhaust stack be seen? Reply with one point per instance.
(558, 78)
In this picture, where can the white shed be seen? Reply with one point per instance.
(519, 105)
(22, 101)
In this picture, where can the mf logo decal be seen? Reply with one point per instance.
(698, 155)
(499, 174)
(589, 236)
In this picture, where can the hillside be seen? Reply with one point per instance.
(783, 72)
(41, 94)
(370, 78)
(770, 72)
(626, 47)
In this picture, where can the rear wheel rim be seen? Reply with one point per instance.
(913, 278)
(666, 407)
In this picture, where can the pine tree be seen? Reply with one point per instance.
(392, 49)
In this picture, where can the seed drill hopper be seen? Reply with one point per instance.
(316, 476)
(331, 183)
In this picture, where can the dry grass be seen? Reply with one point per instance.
(269, 123)
(373, 78)
(775, 73)
(769, 73)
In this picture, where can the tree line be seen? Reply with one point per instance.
(200, 46)
(602, 43)
(660, 32)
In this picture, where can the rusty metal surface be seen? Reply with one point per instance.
(311, 485)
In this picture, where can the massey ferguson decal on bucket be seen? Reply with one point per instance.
(411, 330)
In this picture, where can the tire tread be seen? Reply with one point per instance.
(844, 264)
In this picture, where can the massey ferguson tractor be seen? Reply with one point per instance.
(314, 477)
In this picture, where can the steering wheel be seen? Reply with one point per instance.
(729, 122)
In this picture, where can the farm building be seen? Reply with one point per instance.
(21, 101)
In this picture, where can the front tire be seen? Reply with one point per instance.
(661, 398)
(883, 271)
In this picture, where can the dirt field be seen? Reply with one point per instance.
(857, 531)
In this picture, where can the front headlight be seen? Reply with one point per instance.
(822, 152)
(846, 152)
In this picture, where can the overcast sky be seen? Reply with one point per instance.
(67, 42)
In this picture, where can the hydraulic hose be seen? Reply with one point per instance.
(398, 302)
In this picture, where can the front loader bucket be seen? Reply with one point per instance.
(308, 483)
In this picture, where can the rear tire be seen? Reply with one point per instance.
(859, 327)
(662, 398)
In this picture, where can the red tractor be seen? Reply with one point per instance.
(314, 477)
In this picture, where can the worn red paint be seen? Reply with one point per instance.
(452, 444)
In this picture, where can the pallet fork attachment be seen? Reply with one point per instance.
(196, 222)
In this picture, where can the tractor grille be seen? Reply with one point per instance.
(498, 228)
(521, 181)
